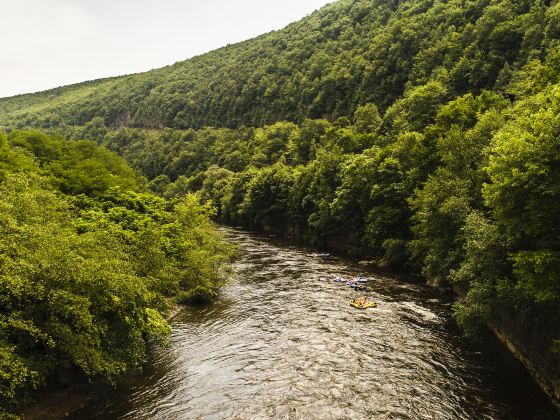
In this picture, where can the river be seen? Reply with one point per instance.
(281, 342)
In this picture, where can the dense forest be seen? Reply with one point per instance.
(349, 53)
(90, 262)
(424, 134)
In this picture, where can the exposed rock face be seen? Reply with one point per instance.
(532, 346)
(533, 349)
(122, 120)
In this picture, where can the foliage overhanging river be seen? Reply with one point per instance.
(280, 342)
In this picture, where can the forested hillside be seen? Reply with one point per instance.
(89, 262)
(348, 53)
(425, 134)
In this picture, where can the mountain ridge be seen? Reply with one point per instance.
(325, 65)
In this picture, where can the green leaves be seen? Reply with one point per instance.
(525, 183)
(512, 254)
(83, 279)
(16, 374)
(76, 167)
(538, 273)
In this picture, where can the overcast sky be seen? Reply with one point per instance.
(50, 43)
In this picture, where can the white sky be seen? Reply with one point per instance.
(50, 43)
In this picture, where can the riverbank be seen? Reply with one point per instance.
(531, 347)
(538, 363)
(62, 402)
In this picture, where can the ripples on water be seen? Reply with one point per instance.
(283, 343)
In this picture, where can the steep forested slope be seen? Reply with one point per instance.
(350, 52)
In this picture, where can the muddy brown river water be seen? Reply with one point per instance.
(283, 343)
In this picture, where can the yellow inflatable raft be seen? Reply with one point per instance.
(359, 305)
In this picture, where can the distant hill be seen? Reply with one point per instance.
(348, 53)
